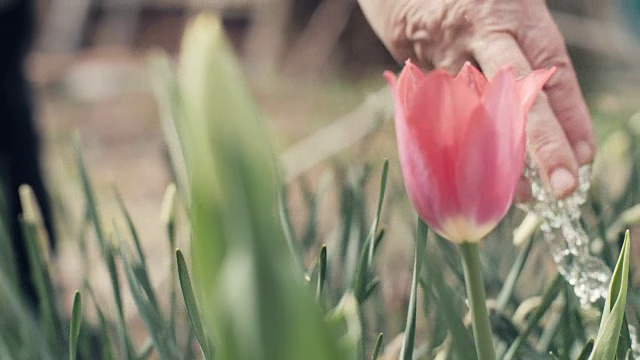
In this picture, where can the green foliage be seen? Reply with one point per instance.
(606, 343)
(406, 352)
(74, 331)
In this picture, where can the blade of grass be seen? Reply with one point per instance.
(376, 219)
(365, 261)
(105, 338)
(20, 311)
(586, 350)
(192, 306)
(322, 272)
(168, 211)
(74, 330)
(377, 347)
(285, 222)
(106, 249)
(514, 274)
(371, 287)
(406, 352)
(462, 342)
(47, 301)
(130, 226)
(188, 344)
(547, 299)
(149, 313)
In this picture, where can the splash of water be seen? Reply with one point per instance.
(569, 243)
(567, 240)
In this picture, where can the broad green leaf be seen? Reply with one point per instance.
(624, 343)
(606, 343)
(253, 305)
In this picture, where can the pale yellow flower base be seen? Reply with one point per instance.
(460, 230)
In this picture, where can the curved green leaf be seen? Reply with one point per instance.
(606, 343)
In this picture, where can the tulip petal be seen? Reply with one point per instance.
(503, 104)
(438, 114)
(409, 79)
(473, 77)
(530, 86)
(492, 156)
(418, 179)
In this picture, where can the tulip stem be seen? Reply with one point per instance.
(477, 301)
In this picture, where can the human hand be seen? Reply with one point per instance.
(494, 33)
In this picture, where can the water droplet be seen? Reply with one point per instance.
(567, 240)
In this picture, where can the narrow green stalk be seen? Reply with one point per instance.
(477, 302)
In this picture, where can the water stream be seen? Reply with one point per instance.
(569, 243)
(567, 240)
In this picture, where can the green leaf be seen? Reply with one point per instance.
(547, 299)
(130, 226)
(365, 261)
(105, 339)
(406, 352)
(288, 233)
(624, 344)
(251, 302)
(105, 247)
(192, 306)
(462, 341)
(514, 274)
(47, 304)
(322, 272)
(606, 343)
(586, 350)
(74, 330)
(149, 313)
(376, 219)
(377, 347)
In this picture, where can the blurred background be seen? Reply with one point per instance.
(315, 67)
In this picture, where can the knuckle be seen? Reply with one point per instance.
(549, 149)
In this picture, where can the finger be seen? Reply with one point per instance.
(389, 20)
(546, 49)
(546, 140)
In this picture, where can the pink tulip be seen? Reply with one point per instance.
(461, 142)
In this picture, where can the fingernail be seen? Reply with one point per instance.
(584, 152)
(562, 182)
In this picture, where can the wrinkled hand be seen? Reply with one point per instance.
(494, 33)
